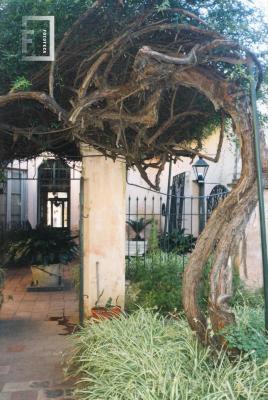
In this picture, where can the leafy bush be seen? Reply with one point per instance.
(40, 246)
(146, 357)
(156, 282)
(153, 242)
(177, 241)
(250, 298)
(248, 334)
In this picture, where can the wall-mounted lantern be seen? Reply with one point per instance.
(200, 168)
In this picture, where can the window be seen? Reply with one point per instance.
(13, 200)
(57, 209)
(218, 193)
(177, 202)
(54, 193)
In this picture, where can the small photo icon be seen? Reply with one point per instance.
(38, 38)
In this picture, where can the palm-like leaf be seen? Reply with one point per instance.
(138, 226)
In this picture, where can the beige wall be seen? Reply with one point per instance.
(249, 259)
(220, 172)
(75, 203)
(104, 228)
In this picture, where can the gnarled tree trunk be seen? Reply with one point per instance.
(227, 224)
(223, 231)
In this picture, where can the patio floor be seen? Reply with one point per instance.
(20, 304)
(34, 339)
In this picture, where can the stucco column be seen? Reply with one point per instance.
(104, 228)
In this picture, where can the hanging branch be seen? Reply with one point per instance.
(64, 40)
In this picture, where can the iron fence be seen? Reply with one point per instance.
(169, 224)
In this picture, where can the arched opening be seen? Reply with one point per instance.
(54, 194)
(218, 193)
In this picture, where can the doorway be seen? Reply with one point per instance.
(54, 194)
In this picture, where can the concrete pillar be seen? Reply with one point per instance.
(104, 228)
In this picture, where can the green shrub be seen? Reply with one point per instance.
(40, 246)
(156, 282)
(248, 334)
(246, 297)
(146, 357)
(177, 241)
(153, 242)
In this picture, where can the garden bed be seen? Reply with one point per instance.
(145, 356)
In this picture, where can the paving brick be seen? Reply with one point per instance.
(22, 315)
(30, 296)
(26, 330)
(4, 369)
(7, 315)
(15, 348)
(26, 306)
(54, 393)
(39, 384)
(39, 316)
(9, 307)
(16, 387)
(42, 305)
(5, 396)
(66, 398)
(25, 395)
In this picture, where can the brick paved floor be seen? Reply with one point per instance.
(33, 342)
(20, 304)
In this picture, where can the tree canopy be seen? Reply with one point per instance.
(99, 90)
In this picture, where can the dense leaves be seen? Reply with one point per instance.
(248, 335)
(155, 282)
(147, 116)
(235, 19)
(177, 241)
(40, 246)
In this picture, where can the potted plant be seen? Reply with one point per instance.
(138, 245)
(45, 249)
(107, 311)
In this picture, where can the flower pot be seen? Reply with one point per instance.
(46, 276)
(106, 313)
(136, 247)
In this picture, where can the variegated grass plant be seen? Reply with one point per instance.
(147, 357)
